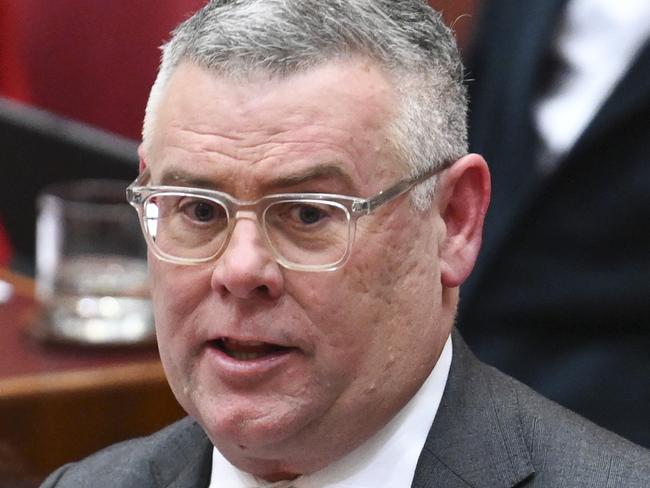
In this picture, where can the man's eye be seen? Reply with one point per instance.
(201, 211)
(309, 214)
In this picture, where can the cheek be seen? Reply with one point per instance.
(176, 294)
(394, 286)
(339, 318)
(176, 291)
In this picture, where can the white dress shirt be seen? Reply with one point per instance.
(388, 458)
(596, 42)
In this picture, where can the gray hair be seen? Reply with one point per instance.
(405, 38)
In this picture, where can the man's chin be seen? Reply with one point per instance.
(249, 427)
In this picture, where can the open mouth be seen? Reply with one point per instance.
(248, 350)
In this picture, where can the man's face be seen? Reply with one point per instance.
(288, 370)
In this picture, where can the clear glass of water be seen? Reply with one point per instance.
(91, 270)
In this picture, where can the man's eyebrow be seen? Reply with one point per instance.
(330, 171)
(177, 177)
(314, 173)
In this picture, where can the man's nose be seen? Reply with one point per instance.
(247, 268)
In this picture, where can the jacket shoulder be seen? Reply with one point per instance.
(569, 450)
(144, 462)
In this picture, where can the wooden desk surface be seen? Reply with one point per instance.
(60, 403)
(29, 366)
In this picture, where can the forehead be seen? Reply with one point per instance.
(336, 114)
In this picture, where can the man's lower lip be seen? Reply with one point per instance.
(246, 366)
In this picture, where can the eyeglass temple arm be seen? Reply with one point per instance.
(389, 194)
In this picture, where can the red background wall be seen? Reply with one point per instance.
(91, 60)
(95, 60)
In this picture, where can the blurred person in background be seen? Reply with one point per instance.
(560, 297)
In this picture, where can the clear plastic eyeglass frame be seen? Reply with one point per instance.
(140, 192)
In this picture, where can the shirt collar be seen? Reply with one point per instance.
(388, 458)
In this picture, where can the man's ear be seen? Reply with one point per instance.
(463, 195)
(143, 164)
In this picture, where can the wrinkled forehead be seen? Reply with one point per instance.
(340, 112)
(341, 86)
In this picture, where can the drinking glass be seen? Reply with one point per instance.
(91, 271)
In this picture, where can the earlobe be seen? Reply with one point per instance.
(463, 198)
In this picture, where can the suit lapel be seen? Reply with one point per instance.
(631, 95)
(187, 462)
(476, 439)
(529, 50)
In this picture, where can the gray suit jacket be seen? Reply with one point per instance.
(490, 432)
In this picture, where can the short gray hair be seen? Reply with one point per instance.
(405, 38)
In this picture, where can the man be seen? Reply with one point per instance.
(311, 211)
(560, 107)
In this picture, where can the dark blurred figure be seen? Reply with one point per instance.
(560, 297)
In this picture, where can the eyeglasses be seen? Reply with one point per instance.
(304, 231)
